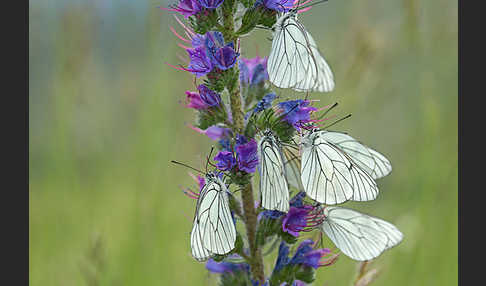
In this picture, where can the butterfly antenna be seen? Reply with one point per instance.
(337, 121)
(207, 162)
(327, 111)
(187, 166)
(285, 114)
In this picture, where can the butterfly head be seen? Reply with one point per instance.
(309, 138)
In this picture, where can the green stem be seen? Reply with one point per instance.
(255, 260)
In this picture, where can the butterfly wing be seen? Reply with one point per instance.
(199, 252)
(292, 167)
(359, 236)
(374, 163)
(294, 60)
(213, 216)
(330, 176)
(273, 185)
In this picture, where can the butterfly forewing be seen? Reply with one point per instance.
(359, 236)
(330, 176)
(273, 185)
(372, 162)
(214, 222)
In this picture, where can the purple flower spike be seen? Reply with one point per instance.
(226, 160)
(210, 4)
(208, 96)
(296, 112)
(247, 156)
(200, 64)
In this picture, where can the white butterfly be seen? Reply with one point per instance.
(359, 236)
(329, 175)
(213, 230)
(273, 185)
(294, 61)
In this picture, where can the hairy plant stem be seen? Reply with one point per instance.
(250, 217)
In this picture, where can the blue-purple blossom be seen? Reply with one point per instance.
(247, 156)
(225, 144)
(188, 7)
(304, 255)
(264, 103)
(210, 4)
(221, 55)
(295, 220)
(208, 96)
(308, 256)
(226, 160)
(200, 64)
(298, 200)
(277, 5)
(225, 267)
(253, 71)
(194, 101)
(296, 112)
(214, 132)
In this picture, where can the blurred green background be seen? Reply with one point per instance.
(105, 120)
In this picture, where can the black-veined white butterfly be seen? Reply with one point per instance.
(359, 236)
(213, 230)
(273, 185)
(329, 175)
(294, 60)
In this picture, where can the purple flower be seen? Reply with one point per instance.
(297, 200)
(210, 4)
(226, 160)
(221, 55)
(253, 71)
(188, 7)
(208, 96)
(303, 218)
(296, 220)
(214, 132)
(264, 103)
(304, 255)
(296, 112)
(195, 101)
(225, 267)
(278, 5)
(247, 156)
(283, 257)
(199, 64)
(307, 256)
(225, 144)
